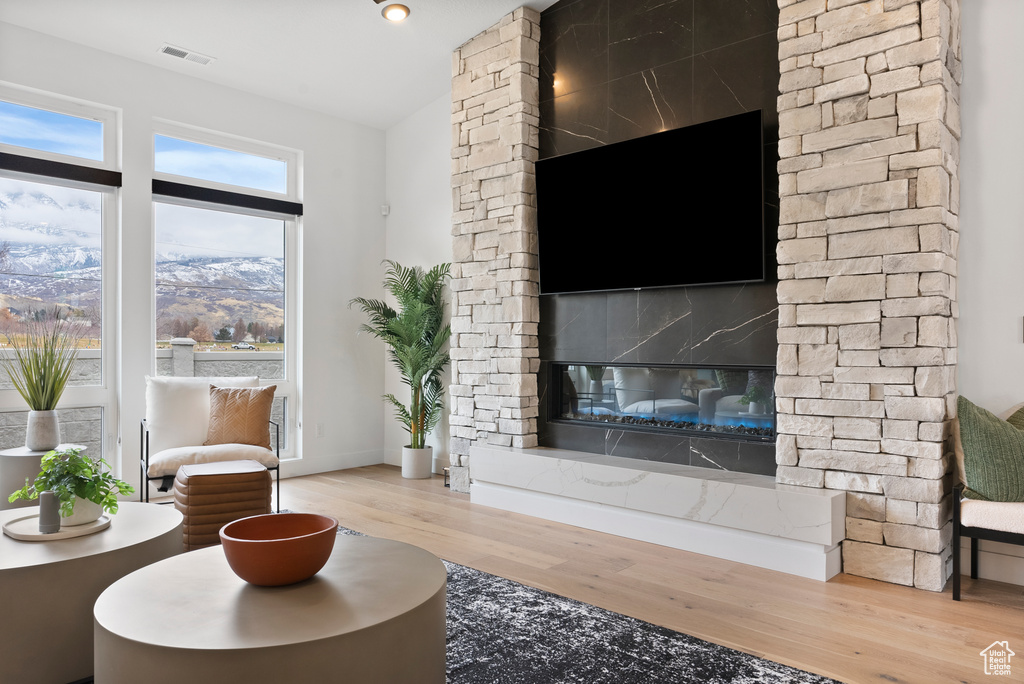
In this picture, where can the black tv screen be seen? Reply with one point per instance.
(681, 207)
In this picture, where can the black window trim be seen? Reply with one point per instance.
(34, 166)
(194, 193)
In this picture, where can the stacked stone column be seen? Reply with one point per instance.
(495, 307)
(869, 148)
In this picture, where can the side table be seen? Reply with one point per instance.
(18, 464)
(48, 589)
(374, 613)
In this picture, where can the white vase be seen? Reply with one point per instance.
(43, 432)
(85, 512)
(417, 464)
(756, 408)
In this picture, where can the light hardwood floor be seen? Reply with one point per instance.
(853, 629)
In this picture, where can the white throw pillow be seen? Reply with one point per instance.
(667, 383)
(631, 385)
(178, 409)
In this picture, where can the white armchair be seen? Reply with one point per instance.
(176, 428)
(651, 391)
(728, 396)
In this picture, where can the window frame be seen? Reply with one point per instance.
(49, 168)
(291, 158)
(286, 207)
(108, 116)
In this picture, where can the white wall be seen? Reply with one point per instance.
(419, 229)
(342, 232)
(991, 259)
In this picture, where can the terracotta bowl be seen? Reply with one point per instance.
(280, 548)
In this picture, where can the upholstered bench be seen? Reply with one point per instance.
(210, 495)
(988, 502)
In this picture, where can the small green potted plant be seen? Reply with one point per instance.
(39, 368)
(756, 398)
(416, 336)
(79, 482)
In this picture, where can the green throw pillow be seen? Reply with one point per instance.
(993, 455)
(732, 381)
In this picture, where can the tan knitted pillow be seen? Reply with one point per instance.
(240, 415)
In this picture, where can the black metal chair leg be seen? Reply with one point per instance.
(956, 547)
(974, 558)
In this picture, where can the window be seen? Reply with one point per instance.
(57, 245)
(47, 127)
(205, 162)
(225, 265)
(201, 158)
(219, 277)
(51, 255)
(46, 131)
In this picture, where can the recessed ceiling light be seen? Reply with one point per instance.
(395, 12)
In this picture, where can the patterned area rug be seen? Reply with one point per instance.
(503, 632)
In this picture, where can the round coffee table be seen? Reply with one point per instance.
(48, 588)
(374, 613)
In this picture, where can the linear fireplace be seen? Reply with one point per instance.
(692, 415)
(723, 403)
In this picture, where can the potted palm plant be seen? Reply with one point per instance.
(416, 336)
(80, 484)
(39, 367)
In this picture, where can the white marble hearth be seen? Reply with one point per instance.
(736, 516)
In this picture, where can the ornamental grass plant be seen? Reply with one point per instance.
(40, 365)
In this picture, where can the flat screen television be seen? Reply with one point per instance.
(681, 207)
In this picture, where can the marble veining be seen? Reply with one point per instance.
(700, 454)
(728, 88)
(566, 131)
(740, 501)
(654, 99)
(647, 336)
(734, 328)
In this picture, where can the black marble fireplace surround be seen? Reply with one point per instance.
(614, 70)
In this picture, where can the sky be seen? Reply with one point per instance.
(179, 230)
(194, 160)
(196, 232)
(39, 129)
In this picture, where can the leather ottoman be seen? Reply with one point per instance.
(210, 495)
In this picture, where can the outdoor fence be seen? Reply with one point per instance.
(184, 358)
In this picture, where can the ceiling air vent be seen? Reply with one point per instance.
(187, 55)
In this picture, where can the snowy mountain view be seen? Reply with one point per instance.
(50, 254)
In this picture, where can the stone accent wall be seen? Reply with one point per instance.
(494, 286)
(869, 126)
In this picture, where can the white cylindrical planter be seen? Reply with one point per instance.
(43, 432)
(85, 512)
(417, 463)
